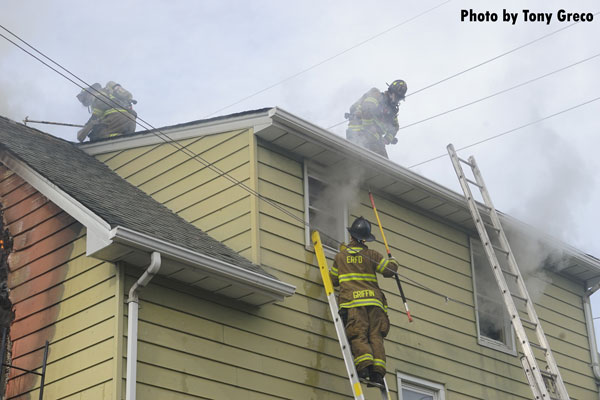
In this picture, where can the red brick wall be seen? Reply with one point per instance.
(42, 240)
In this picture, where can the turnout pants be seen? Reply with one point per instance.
(368, 141)
(117, 123)
(365, 328)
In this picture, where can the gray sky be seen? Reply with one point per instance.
(186, 60)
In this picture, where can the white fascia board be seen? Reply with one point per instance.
(268, 286)
(97, 229)
(323, 137)
(176, 133)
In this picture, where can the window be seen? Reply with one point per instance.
(411, 388)
(325, 206)
(493, 322)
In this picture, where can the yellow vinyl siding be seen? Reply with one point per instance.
(128, 165)
(85, 379)
(196, 345)
(101, 391)
(441, 345)
(203, 339)
(194, 191)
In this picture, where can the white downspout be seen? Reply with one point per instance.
(132, 323)
(591, 332)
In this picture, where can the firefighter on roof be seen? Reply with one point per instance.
(363, 306)
(373, 119)
(112, 111)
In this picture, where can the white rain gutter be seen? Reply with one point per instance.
(268, 286)
(132, 323)
(591, 332)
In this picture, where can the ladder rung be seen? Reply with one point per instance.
(484, 206)
(465, 161)
(473, 182)
(501, 250)
(497, 230)
(537, 346)
(547, 374)
(529, 322)
(510, 273)
(516, 296)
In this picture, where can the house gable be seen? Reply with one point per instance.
(124, 223)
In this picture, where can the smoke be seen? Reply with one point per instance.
(535, 259)
(328, 197)
(551, 190)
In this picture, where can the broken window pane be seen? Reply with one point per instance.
(493, 319)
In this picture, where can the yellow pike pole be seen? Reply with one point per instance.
(387, 248)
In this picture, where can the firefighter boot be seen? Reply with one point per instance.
(376, 379)
(364, 373)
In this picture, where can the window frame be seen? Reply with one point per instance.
(510, 346)
(437, 390)
(313, 170)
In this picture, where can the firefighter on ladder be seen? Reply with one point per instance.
(373, 119)
(112, 111)
(363, 306)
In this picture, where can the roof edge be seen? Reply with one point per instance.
(318, 135)
(271, 287)
(178, 132)
(324, 137)
(97, 228)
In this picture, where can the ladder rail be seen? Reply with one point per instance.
(339, 326)
(533, 373)
(333, 308)
(542, 339)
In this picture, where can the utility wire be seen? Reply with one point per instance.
(483, 62)
(510, 130)
(498, 56)
(157, 132)
(500, 92)
(327, 59)
(164, 137)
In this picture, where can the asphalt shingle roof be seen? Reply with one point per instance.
(106, 194)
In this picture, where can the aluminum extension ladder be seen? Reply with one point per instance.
(545, 384)
(339, 326)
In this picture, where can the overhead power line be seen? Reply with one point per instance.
(510, 130)
(497, 57)
(165, 138)
(500, 92)
(144, 124)
(328, 59)
(484, 62)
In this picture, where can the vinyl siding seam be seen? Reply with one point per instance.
(62, 282)
(57, 381)
(42, 255)
(212, 195)
(174, 149)
(203, 167)
(192, 159)
(63, 317)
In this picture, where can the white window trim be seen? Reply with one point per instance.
(483, 340)
(314, 171)
(437, 388)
